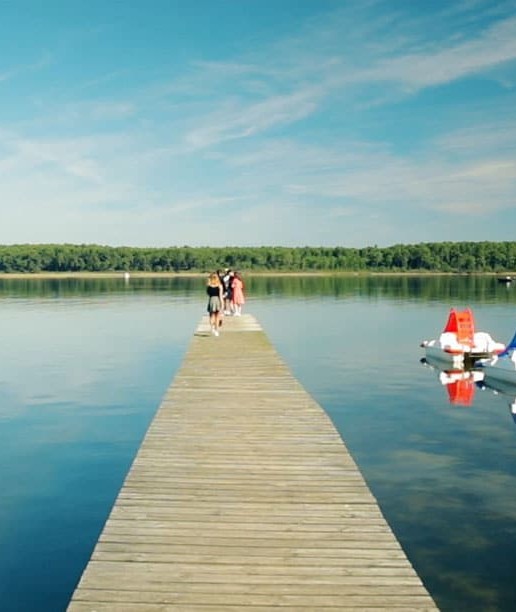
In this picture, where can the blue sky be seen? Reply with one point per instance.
(257, 122)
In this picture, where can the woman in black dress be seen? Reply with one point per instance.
(214, 290)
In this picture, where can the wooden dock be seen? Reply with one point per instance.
(244, 497)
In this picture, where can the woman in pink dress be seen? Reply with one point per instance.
(237, 298)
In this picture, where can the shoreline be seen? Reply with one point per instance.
(268, 273)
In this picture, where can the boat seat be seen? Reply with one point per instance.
(461, 323)
(484, 343)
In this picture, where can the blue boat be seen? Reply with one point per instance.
(501, 367)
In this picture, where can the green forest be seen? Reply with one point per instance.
(431, 257)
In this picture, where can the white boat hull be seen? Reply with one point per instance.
(455, 359)
(436, 353)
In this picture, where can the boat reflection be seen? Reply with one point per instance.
(503, 389)
(460, 383)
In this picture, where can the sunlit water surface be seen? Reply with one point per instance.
(84, 365)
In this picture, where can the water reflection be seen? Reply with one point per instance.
(505, 391)
(440, 288)
(460, 384)
(98, 286)
(449, 289)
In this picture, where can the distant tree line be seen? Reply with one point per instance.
(431, 257)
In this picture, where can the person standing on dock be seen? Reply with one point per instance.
(214, 290)
(237, 297)
(227, 279)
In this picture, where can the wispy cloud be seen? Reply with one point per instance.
(237, 120)
(356, 176)
(490, 137)
(497, 45)
(247, 98)
(16, 70)
(4, 76)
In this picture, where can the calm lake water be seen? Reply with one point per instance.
(86, 362)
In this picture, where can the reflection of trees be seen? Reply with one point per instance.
(453, 289)
(439, 257)
(80, 287)
(457, 290)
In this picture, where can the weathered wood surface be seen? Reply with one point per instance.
(243, 496)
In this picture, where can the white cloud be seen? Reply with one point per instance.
(483, 138)
(72, 157)
(494, 170)
(104, 111)
(20, 69)
(238, 120)
(497, 45)
(187, 205)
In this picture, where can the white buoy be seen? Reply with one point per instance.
(127, 276)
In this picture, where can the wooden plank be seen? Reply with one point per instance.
(243, 495)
